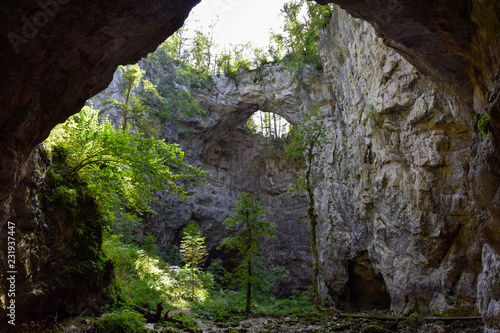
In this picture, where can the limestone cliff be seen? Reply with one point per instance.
(74, 53)
(400, 227)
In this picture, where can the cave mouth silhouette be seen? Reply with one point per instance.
(365, 289)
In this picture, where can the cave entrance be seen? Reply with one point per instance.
(269, 125)
(365, 290)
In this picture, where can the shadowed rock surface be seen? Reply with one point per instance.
(414, 186)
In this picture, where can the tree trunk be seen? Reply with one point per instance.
(192, 281)
(269, 129)
(313, 218)
(261, 114)
(275, 128)
(125, 110)
(249, 265)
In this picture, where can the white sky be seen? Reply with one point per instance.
(240, 21)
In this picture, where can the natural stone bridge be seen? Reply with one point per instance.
(406, 178)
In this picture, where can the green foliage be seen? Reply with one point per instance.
(452, 299)
(309, 133)
(132, 108)
(221, 306)
(299, 42)
(269, 280)
(269, 125)
(71, 204)
(126, 224)
(225, 306)
(371, 118)
(306, 137)
(202, 50)
(43, 326)
(172, 256)
(123, 321)
(231, 62)
(219, 274)
(173, 77)
(483, 125)
(193, 251)
(247, 240)
(147, 280)
(149, 246)
(121, 169)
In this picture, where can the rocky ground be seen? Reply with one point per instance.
(311, 323)
(333, 322)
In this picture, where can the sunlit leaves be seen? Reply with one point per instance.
(193, 250)
(119, 167)
(135, 91)
(299, 42)
(146, 280)
(309, 134)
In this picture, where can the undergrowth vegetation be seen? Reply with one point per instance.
(119, 166)
(144, 280)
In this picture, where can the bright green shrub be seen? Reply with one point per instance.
(123, 321)
(483, 125)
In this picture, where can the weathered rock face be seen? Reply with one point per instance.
(453, 42)
(238, 160)
(56, 54)
(72, 56)
(488, 288)
(395, 188)
(58, 243)
(399, 218)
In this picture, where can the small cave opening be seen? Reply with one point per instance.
(365, 289)
(269, 125)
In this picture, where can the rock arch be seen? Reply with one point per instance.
(75, 53)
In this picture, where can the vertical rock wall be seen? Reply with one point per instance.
(398, 215)
(453, 41)
(394, 187)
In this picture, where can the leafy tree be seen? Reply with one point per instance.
(121, 169)
(202, 50)
(193, 250)
(172, 77)
(172, 255)
(306, 138)
(126, 224)
(132, 109)
(219, 274)
(149, 248)
(247, 240)
(299, 42)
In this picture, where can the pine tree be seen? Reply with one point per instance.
(193, 250)
(247, 240)
(149, 246)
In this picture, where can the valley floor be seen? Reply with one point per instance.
(319, 324)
